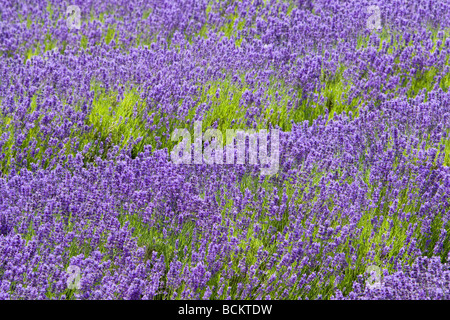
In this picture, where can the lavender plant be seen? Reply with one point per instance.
(93, 207)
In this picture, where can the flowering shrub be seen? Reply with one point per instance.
(87, 183)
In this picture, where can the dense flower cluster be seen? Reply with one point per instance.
(87, 181)
(425, 280)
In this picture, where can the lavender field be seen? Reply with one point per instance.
(352, 98)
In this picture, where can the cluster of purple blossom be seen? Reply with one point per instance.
(427, 279)
(364, 150)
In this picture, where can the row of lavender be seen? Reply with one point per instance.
(89, 202)
(62, 84)
(379, 178)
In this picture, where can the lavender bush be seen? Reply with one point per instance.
(93, 207)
